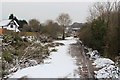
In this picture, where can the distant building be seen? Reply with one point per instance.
(74, 29)
(9, 25)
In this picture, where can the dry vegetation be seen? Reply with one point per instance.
(19, 52)
(102, 31)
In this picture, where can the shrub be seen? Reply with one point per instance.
(53, 50)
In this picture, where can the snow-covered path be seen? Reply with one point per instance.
(61, 65)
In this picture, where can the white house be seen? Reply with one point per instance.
(9, 25)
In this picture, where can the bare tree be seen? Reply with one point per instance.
(34, 25)
(118, 13)
(64, 20)
(52, 29)
(101, 9)
(96, 10)
(119, 25)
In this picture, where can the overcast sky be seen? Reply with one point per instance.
(43, 11)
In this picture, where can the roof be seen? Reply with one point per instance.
(4, 22)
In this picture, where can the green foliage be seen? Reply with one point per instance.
(7, 56)
(17, 49)
(98, 30)
(103, 32)
(93, 34)
(11, 16)
(11, 38)
(22, 23)
(53, 50)
(14, 43)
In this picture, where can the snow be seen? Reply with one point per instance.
(106, 66)
(4, 23)
(108, 72)
(14, 28)
(30, 38)
(59, 65)
(93, 54)
(102, 62)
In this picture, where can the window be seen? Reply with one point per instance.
(11, 26)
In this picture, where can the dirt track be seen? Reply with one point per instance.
(85, 65)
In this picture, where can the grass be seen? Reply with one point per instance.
(28, 33)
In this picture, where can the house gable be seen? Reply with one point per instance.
(10, 25)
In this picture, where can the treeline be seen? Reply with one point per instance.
(50, 28)
(102, 30)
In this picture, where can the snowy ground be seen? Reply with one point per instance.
(60, 65)
(106, 66)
